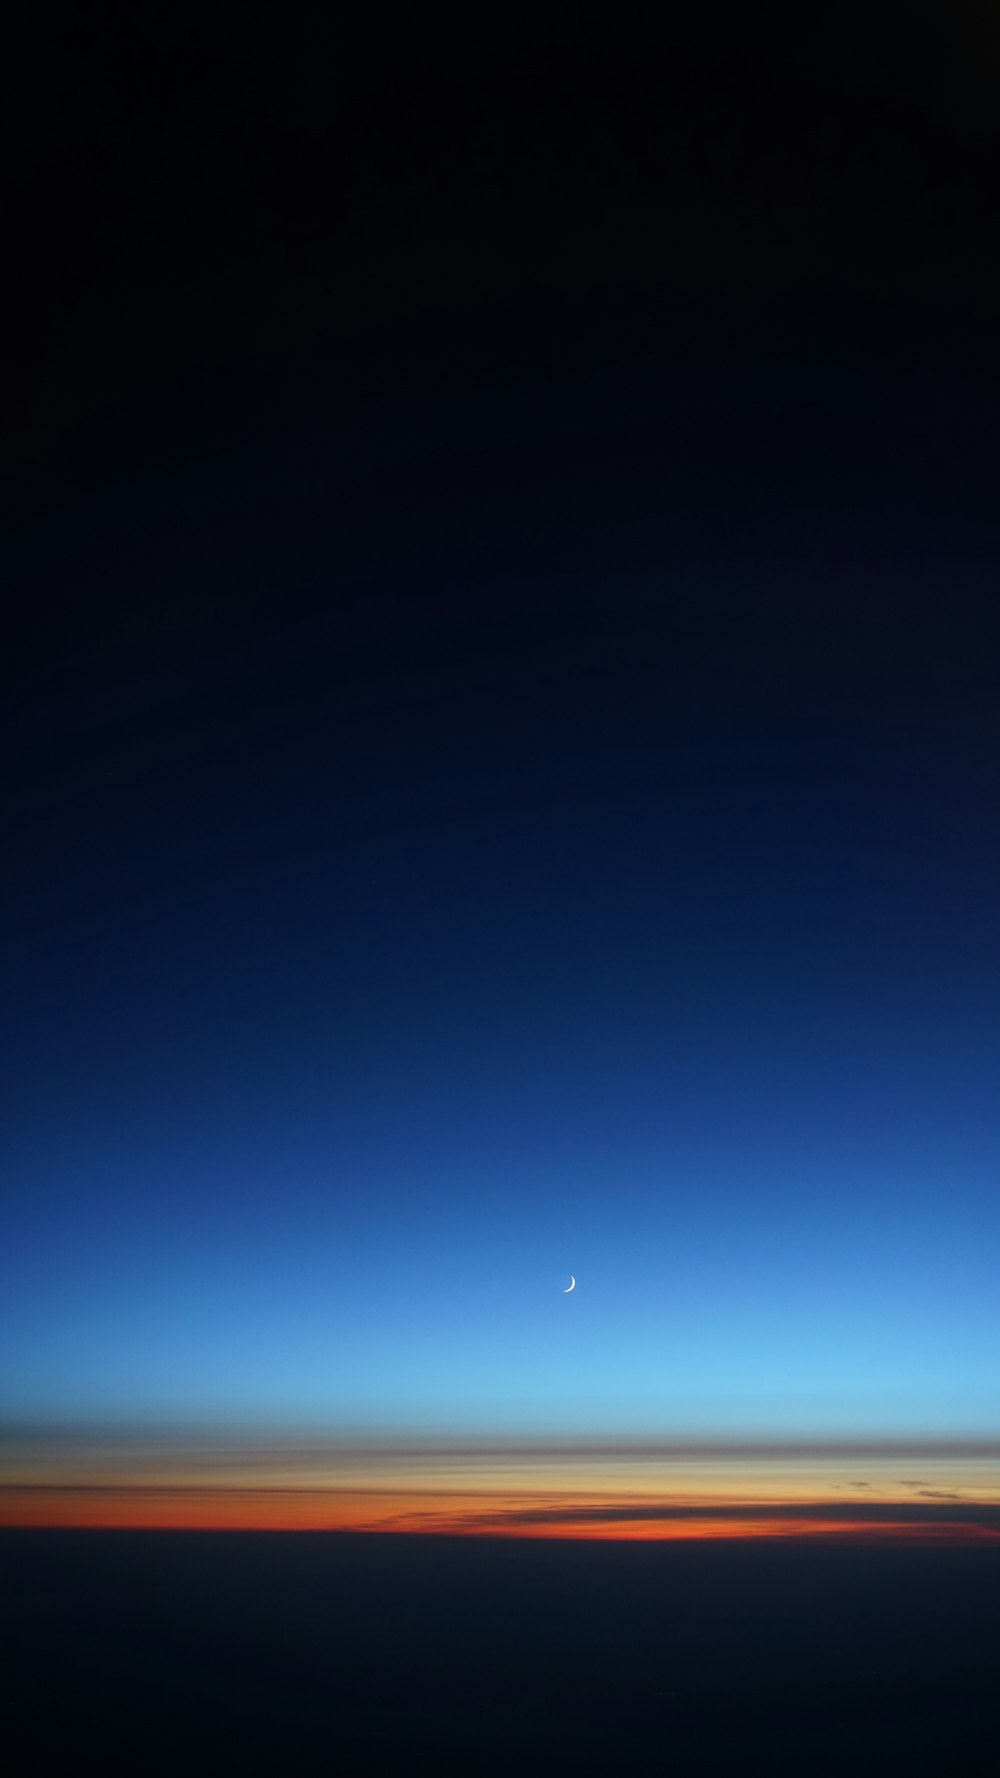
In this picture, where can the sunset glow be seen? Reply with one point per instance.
(504, 1488)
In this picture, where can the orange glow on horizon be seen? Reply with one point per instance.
(608, 1494)
(221, 1509)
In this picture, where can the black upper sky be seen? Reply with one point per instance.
(494, 481)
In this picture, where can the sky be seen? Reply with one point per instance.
(503, 714)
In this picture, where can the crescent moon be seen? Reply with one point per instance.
(570, 1286)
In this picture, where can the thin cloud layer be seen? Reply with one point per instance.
(509, 1485)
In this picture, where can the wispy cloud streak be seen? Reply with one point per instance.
(502, 1485)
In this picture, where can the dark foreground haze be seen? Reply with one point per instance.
(169, 1653)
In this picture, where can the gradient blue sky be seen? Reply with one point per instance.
(320, 1101)
(502, 713)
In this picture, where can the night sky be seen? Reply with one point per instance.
(502, 741)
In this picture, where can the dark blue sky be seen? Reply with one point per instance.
(505, 769)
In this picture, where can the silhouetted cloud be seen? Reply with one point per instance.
(847, 1512)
